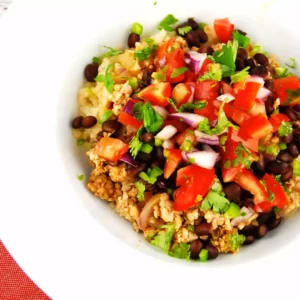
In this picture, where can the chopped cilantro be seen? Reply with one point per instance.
(278, 179)
(80, 142)
(96, 60)
(285, 129)
(236, 241)
(106, 115)
(158, 76)
(215, 202)
(293, 65)
(112, 52)
(152, 120)
(80, 177)
(135, 144)
(163, 239)
(255, 49)
(281, 72)
(217, 186)
(151, 175)
(107, 79)
(141, 190)
(240, 76)
(296, 167)
(184, 30)
(181, 251)
(172, 102)
(202, 25)
(203, 255)
(137, 28)
(242, 39)
(178, 72)
(226, 57)
(190, 106)
(145, 53)
(214, 73)
(167, 22)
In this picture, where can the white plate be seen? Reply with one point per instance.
(68, 241)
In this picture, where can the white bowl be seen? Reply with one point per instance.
(71, 243)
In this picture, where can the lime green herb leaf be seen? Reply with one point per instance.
(80, 142)
(242, 39)
(240, 76)
(167, 22)
(80, 177)
(281, 72)
(202, 25)
(255, 49)
(137, 28)
(191, 228)
(214, 73)
(217, 186)
(173, 104)
(184, 30)
(278, 178)
(141, 190)
(106, 115)
(107, 79)
(178, 72)
(164, 239)
(112, 52)
(293, 65)
(203, 255)
(145, 53)
(135, 145)
(181, 251)
(236, 241)
(191, 106)
(296, 167)
(215, 202)
(285, 129)
(96, 60)
(151, 175)
(233, 211)
(158, 76)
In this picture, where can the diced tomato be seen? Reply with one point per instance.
(236, 114)
(179, 125)
(245, 98)
(174, 158)
(205, 66)
(209, 111)
(175, 60)
(127, 119)
(194, 181)
(181, 94)
(190, 76)
(223, 29)
(281, 86)
(164, 48)
(157, 94)
(249, 182)
(277, 196)
(255, 127)
(186, 135)
(226, 88)
(251, 144)
(277, 119)
(258, 108)
(111, 149)
(238, 86)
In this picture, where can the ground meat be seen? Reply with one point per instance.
(293, 185)
(217, 220)
(185, 236)
(118, 173)
(192, 215)
(221, 240)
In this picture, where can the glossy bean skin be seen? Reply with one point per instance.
(285, 156)
(288, 139)
(269, 84)
(293, 150)
(233, 192)
(100, 136)
(147, 137)
(242, 54)
(134, 171)
(192, 39)
(269, 105)
(239, 64)
(191, 22)
(261, 59)
(273, 223)
(202, 36)
(213, 252)
(196, 247)
(276, 167)
(146, 76)
(91, 72)
(206, 49)
(250, 239)
(203, 229)
(76, 123)
(88, 122)
(287, 175)
(132, 39)
(259, 71)
(110, 126)
(262, 231)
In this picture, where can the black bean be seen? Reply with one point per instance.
(157, 163)
(144, 157)
(250, 63)
(260, 71)
(261, 163)
(277, 167)
(273, 223)
(240, 65)
(147, 137)
(233, 192)
(146, 77)
(261, 59)
(250, 239)
(203, 229)
(76, 123)
(162, 182)
(288, 174)
(213, 252)
(132, 39)
(249, 230)
(269, 84)
(288, 139)
(159, 153)
(91, 72)
(262, 231)
(191, 22)
(110, 126)
(100, 136)
(269, 105)
(242, 32)
(296, 138)
(202, 36)
(196, 247)
(264, 217)
(242, 54)
(284, 155)
(293, 150)
(135, 171)
(290, 113)
(206, 49)
(192, 39)
(88, 122)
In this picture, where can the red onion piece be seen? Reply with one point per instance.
(203, 159)
(227, 97)
(254, 78)
(191, 99)
(129, 107)
(147, 211)
(207, 139)
(161, 111)
(196, 60)
(249, 213)
(168, 144)
(263, 93)
(166, 133)
(127, 158)
(189, 118)
(162, 62)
